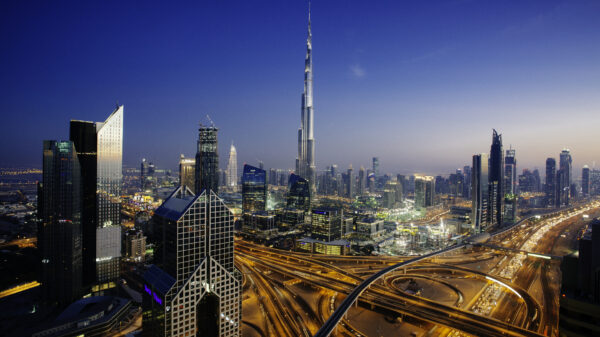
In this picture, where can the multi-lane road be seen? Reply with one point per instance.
(497, 292)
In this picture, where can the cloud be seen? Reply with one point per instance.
(357, 71)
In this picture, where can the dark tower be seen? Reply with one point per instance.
(550, 188)
(496, 181)
(59, 232)
(207, 160)
(254, 189)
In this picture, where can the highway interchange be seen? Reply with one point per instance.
(493, 289)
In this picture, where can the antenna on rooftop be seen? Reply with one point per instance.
(211, 121)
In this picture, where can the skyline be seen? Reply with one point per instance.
(536, 68)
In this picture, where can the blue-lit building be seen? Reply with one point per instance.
(254, 189)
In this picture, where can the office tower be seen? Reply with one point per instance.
(207, 160)
(550, 186)
(496, 181)
(305, 163)
(193, 289)
(565, 178)
(467, 182)
(59, 231)
(376, 166)
(232, 168)
(585, 181)
(273, 180)
(424, 191)
(510, 172)
(298, 193)
(261, 165)
(349, 182)
(143, 174)
(187, 172)
(254, 189)
(479, 192)
(389, 196)
(326, 224)
(99, 147)
(362, 181)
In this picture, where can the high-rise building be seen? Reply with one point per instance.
(362, 181)
(99, 146)
(193, 289)
(510, 172)
(496, 182)
(305, 163)
(376, 166)
(479, 192)
(59, 232)
(298, 193)
(232, 177)
(326, 224)
(207, 160)
(467, 182)
(187, 172)
(349, 183)
(565, 178)
(424, 191)
(585, 181)
(550, 186)
(143, 174)
(254, 189)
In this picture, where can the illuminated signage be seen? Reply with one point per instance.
(153, 295)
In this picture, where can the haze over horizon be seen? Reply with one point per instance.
(419, 86)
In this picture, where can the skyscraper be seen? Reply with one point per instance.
(254, 189)
(298, 193)
(565, 179)
(232, 168)
(376, 166)
(362, 181)
(187, 172)
(550, 187)
(100, 151)
(510, 172)
(305, 163)
(59, 232)
(350, 183)
(143, 173)
(207, 160)
(496, 181)
(585, 180)
(479, 192)
(193, 289)
(424, 191)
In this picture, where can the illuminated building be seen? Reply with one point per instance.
(349, 183)
(298, 193)
(496, 182)
(326, 233)
(550, 186)
(100, 151)
(510, 172)
(424, 191)
(564, 179)
(146, 175)
(467, 182)
(305, 163)
(585, 181)
(254, 189)
(207, 160)
(479, 192)
(135, 245)
(193, 289)
(59, 232)
(232, 176)
(187, 172)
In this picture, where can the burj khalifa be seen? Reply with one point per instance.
(305, 162)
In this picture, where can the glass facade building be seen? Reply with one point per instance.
(59, 232)
(187, 172)
(479, 192)
(326, 224)
(254, 189)
(550, 186)
(496, 182)
(193, 289)
(424, 191)
(100, 149)
(207, 160)
(298, 193)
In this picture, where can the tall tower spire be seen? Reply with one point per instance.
(305, 163)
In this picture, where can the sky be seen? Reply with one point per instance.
(419, 84)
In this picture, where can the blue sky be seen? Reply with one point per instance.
(419, 84)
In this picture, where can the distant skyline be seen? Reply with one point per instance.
(418, 85)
